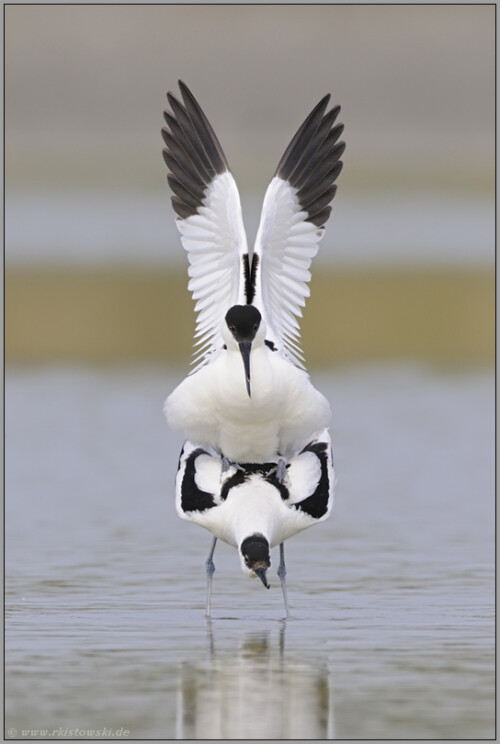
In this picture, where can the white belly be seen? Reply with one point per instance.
(212, 407)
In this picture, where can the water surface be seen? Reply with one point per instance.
(392, 598)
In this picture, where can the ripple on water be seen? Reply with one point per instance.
(392, 598)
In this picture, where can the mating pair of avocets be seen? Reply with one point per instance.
(257, 465)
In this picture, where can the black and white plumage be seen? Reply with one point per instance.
(296, 207)
(250, 508)
(266, 407)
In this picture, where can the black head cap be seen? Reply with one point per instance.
(255, 551)
(243, 321)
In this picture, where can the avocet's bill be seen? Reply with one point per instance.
(222, 273)
(213, 408)
(250, 508)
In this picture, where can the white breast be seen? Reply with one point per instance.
(212, 407)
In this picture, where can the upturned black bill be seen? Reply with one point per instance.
(261, 573)
(245, 348)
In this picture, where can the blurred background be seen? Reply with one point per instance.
(394, 595)
(95, 269)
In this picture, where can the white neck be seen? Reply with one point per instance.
(253, 505)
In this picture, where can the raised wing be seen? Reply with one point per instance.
(208, 209)
(296, 208)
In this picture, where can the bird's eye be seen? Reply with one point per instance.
(231, 327)
(256, 325)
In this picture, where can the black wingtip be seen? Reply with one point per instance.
(171, 99)
(194, 156)
(204, 131)
(184, 89)
(297, 147)
(311, 163)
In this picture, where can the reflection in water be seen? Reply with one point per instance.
(105, 588)
(254, 691)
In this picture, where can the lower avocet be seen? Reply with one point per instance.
(250, 508)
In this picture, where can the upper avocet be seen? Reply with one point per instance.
(249, 396)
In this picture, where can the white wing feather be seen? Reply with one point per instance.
(286, 243)
(292, 223)
(215, 242)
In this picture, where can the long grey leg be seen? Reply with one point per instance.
(281, 471)
(227, 463)
(210, 572)
(282, 574)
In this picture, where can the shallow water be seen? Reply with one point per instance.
(392, 598)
